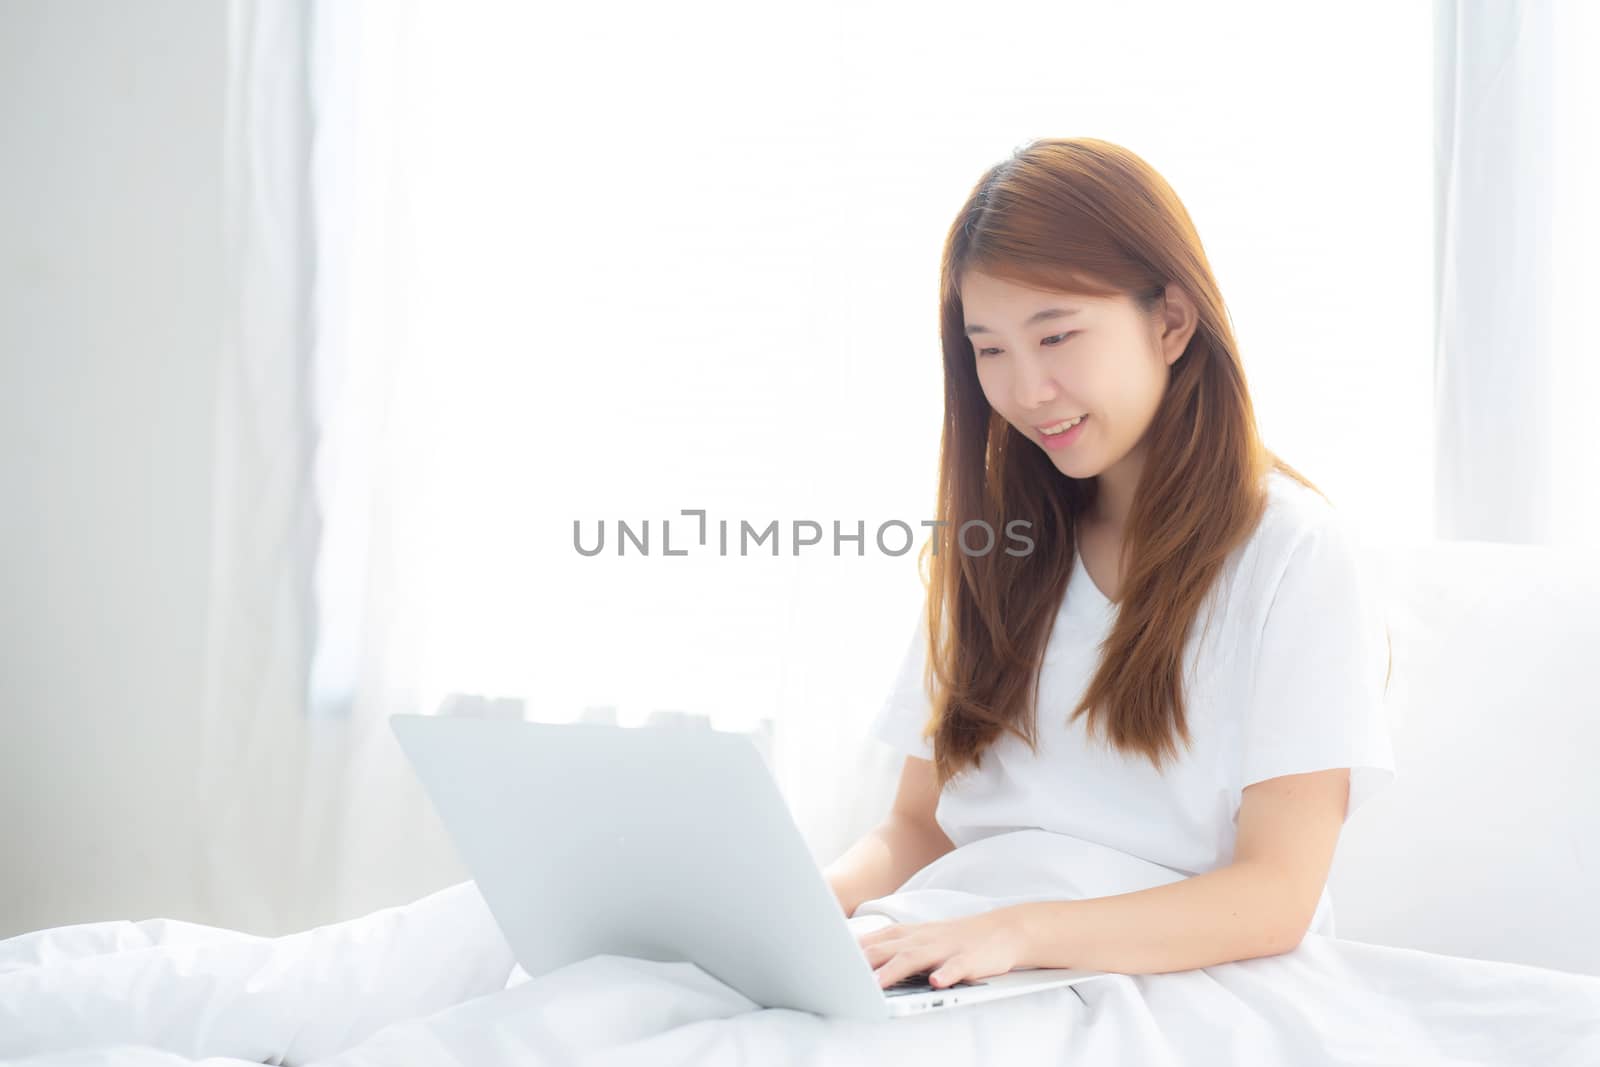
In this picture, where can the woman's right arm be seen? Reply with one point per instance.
(907, 840)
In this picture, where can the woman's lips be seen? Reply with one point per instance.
(1054, 441)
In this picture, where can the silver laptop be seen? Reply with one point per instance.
(659, 843)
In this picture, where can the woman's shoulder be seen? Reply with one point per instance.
(1294, 512)
(1249, 580)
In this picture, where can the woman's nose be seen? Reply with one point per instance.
(1032, 383)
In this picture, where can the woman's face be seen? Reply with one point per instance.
(1044, 358)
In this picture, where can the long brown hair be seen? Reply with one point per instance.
(1083, 216)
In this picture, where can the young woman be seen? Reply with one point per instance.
(1184, 665)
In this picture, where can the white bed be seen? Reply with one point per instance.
(1464, 898)
(433, 983)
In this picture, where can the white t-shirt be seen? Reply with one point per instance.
(1288, 678)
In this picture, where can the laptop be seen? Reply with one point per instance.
(659, 843)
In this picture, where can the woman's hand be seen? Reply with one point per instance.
(974, 946)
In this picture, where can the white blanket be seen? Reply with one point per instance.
(433, 983)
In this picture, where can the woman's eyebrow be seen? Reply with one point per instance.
(1037, 316)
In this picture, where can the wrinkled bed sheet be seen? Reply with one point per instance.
(433, 983)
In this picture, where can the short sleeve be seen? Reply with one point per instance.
(1317, 701)
(908, 707)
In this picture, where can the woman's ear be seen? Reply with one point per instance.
(1179, 321)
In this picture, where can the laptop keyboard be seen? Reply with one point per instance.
(918, 983)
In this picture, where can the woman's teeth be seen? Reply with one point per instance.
(1063, 427)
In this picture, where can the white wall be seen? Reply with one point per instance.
(110, 289)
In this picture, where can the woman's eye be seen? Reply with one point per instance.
(1059, 338)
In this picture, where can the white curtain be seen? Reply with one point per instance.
(263, 776)
(1517, 364)
(310, 639)
(565, 274)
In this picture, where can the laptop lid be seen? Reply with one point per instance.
(659, 843)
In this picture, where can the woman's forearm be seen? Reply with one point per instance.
(1236, 912)
(883, 860)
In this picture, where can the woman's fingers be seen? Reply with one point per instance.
(903, 964)
(893, 955)
(873, 936)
